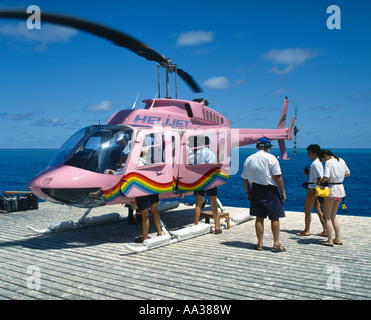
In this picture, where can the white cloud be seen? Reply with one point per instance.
(281, 91)
(219, 82)
(104, 106)
(291, 57)
(286, 70)
(322, 108)
(265, 108)
(48, 33)
(193, 38)
(361, 96)
(239, 82)
(17, 117)
(55, 122)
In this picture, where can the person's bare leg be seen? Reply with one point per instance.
(335, 222)
(259, 228)
(214, 208)
(275, 224)
(145, 223)
(156, 218)
(327, 208)
(199, 201)
(309, 202)
(317, 207)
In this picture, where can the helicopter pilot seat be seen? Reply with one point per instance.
(85, 159)
(111, 161)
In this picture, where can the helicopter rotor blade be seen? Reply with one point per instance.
(118, 38)
(189, 80)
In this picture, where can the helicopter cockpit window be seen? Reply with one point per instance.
(104, 150)
(152, 150)
(205, 149)
(63, 152)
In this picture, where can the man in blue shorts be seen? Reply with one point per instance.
(263, 172)
(202, 156)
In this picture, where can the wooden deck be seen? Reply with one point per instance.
(92, 263)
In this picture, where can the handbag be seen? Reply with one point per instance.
(323, 192)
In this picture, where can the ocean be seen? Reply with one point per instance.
(19, 166)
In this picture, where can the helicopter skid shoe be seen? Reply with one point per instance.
(165, 206)
(240, 218)
(168, 238)
(39, 231)
(191, 232)
(54, 227)
(149, 244)
(103, 219)
(83, 222)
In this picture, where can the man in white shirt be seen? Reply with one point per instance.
(204, 156)
(263, 172)
(314, 177)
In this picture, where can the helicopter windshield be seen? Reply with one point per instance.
(63, 152)
(103, 150)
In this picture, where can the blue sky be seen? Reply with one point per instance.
(246, 55)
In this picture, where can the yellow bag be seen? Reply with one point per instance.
(323, 192)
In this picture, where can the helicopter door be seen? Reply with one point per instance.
(205, 161)
(149, 168)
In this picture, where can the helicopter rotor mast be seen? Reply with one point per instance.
(170, 68)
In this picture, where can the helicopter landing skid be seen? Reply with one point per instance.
(98, 220)
(169, 237)
(81, 223)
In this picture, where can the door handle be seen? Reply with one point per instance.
(160, 172)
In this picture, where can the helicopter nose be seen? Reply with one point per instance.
(68, 185)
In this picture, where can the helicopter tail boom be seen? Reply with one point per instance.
(243, 137)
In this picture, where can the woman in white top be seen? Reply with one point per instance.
(335, 172)
(315, 175)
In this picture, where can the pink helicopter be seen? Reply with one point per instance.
(171, 147)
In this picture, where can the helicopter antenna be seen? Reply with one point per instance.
(158, 81)
(153, 102)
(135, 102)
(296, 130)
(176, 83)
